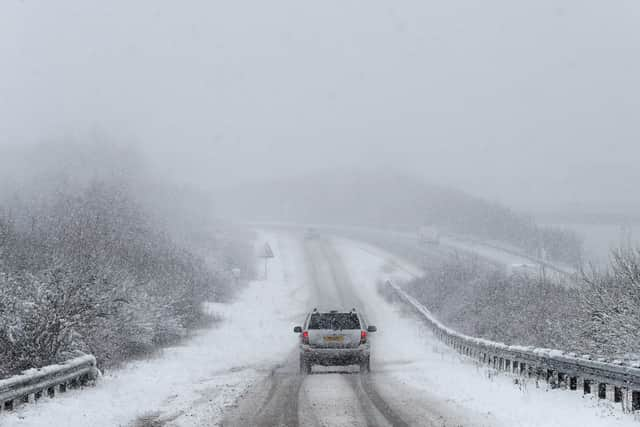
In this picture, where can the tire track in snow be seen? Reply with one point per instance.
(393, 403)
(273, 402)
(331, 397)
(375, 410)
(327, 399)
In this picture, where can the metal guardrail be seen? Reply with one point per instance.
(47, 381)
(613, 381)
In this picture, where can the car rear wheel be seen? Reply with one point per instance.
(365, 366)
(305, 366)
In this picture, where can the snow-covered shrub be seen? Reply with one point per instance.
(611, 306)
(478, 299)
(600, 317)
(102, 266)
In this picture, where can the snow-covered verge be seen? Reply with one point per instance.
(190, 385)
(94, 260)
(405, 350)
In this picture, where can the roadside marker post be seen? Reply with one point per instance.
(266, 253)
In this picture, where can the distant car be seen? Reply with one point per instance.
(522, 269)
(334, 338)
(311, 234)
(429, 235)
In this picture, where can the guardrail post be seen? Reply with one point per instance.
(573, 383)
(553, 378)
(602, 390)
(548, 375)
(617, 394)
(635, 400)
(626, 400)
(562, 380)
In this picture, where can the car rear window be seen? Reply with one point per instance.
(334, 321)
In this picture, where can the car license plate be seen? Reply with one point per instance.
(334, 338)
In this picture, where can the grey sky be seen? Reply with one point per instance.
(531, 103)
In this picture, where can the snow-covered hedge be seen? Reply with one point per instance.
(599, 316)
(108, 264)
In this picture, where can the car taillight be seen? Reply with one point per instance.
(305, 337)
(363, 337)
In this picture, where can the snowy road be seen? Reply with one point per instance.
(245, 372)
(415, 379)
(340, 396)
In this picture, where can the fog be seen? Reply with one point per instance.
(182, 181)
(532, 104)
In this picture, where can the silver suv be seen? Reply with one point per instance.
(334, 338)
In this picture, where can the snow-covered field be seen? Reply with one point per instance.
(207, 373)
(415, 358)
